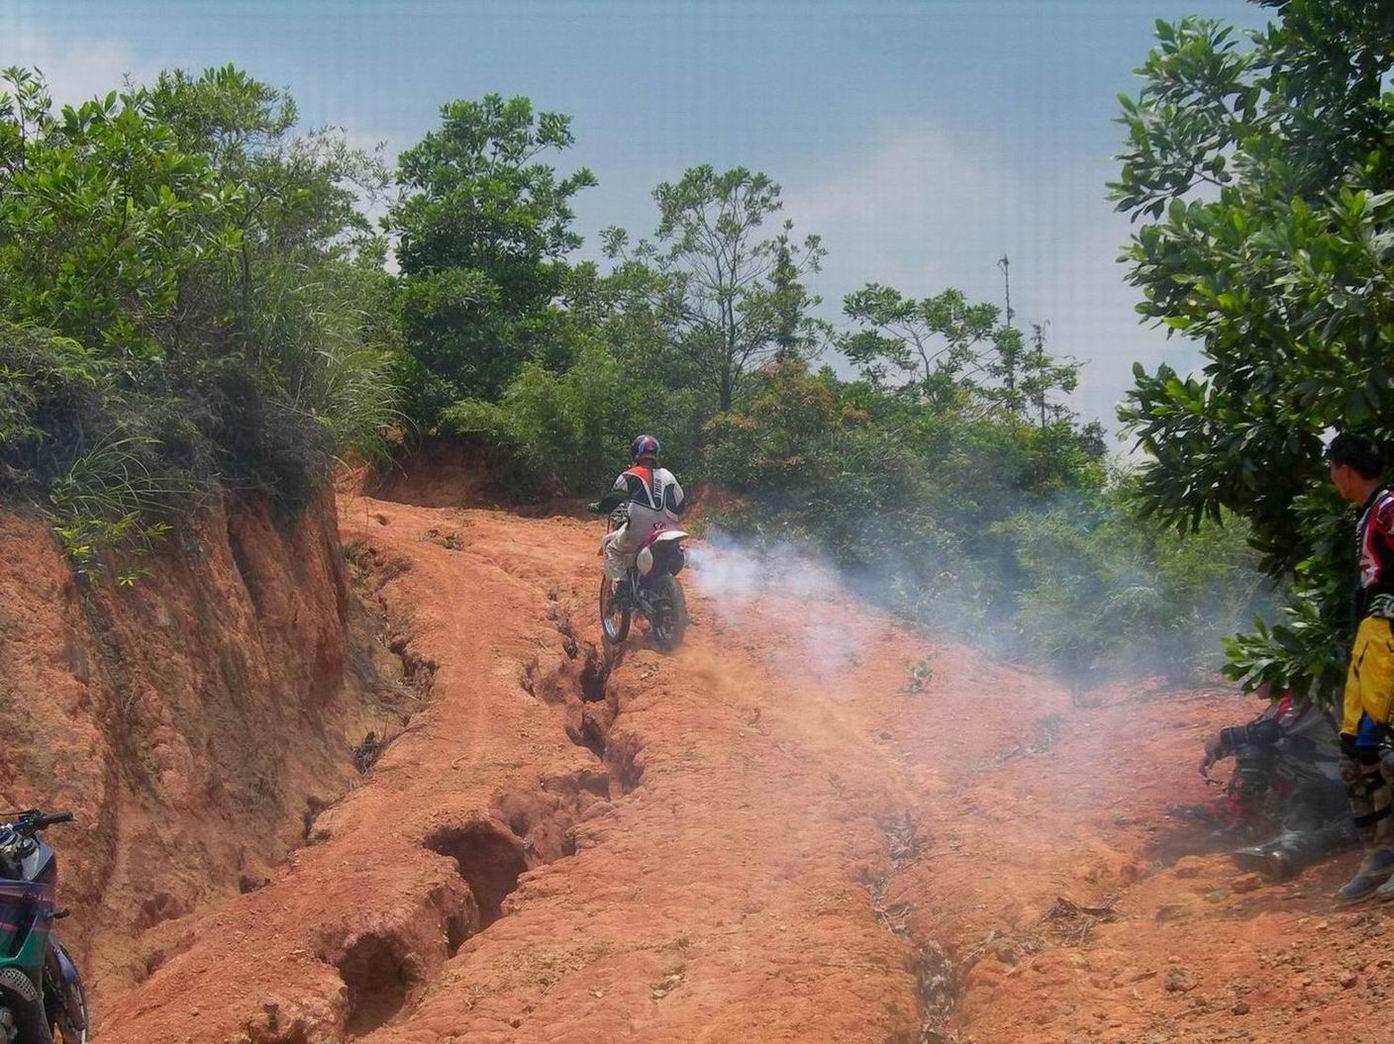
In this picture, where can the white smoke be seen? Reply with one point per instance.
(811, 595)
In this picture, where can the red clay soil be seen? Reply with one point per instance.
(808, 825)
(187, 720)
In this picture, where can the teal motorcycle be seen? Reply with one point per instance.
(41, 992)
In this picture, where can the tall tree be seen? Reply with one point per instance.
(483, 226)
(1264, 182)
(730, 294)
(947, 352)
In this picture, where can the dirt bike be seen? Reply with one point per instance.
(40, 989)
(650, 586)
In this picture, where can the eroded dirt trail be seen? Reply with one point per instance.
(776, 835)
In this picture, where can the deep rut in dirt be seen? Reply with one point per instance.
(937, 981)
(525, 827)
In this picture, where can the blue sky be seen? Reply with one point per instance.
(921, 140)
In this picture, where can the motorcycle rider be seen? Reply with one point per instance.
(1287, 774)
(655, 502)
(1357, 468)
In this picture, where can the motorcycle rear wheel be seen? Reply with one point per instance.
(613, 622)
(669, 612)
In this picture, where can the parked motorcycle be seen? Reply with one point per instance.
(40, 990)
(650, 587)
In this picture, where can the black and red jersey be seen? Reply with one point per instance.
(1374, 542)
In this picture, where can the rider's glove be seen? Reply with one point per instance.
(1214, 751)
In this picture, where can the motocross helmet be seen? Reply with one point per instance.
(644, 446)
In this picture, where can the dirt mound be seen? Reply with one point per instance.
(808, 825)
(188, 720)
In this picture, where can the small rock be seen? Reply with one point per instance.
(1189, 866)
(1247, 883)
(1179, 980)
(1240, 1008)
(1170, 912)
(1348, 980)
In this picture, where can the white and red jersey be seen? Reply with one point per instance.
(1374, 539)
(655, 502)
(656, 489)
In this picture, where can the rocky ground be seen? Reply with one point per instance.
(810, 824)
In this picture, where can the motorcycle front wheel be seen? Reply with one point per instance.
(669, 612)
(614, 622)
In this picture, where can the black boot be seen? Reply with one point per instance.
(1268, 860)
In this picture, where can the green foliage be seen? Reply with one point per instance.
(950, 354)
(729, 294)
(921, 674)
(189, 299)
(47, 385)
(1267, 184)
(929, 348)
(1101, 590)
(565, 432)
(101, 215)
(482, 228)
(935, 512)
(116, 497)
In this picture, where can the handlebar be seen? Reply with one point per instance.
(31, 821)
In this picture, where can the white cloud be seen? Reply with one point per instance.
(923, 209)
(76, 69)
(1093, 317)
(897, 213)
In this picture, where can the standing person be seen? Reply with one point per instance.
(1357, 471)
(655, 501)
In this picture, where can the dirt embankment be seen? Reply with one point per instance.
(192, 721)
(810, 824)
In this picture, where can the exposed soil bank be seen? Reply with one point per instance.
(811, 824)
(188, 720)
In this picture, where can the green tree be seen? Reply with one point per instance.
(214, 286)
(103, 215)
(949, 353)
(728, 292)
(1038, 377)
(1099, 590)
(483, 226)
(1264, 183)
(563, 433)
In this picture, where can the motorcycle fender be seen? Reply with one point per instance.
(64, 974)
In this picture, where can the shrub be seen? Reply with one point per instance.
(565, 433)
(196, 340)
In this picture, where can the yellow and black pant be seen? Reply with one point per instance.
(1367, 769)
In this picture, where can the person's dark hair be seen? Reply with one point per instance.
(1360, 452)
